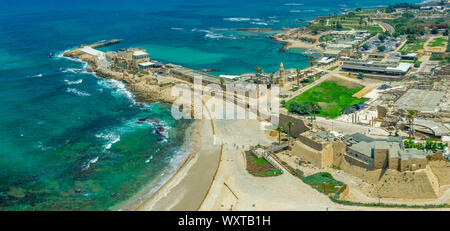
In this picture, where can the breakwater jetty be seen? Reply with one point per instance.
(103, 43)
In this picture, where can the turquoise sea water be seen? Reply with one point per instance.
(71, 141)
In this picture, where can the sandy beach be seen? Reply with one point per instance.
(186, 189)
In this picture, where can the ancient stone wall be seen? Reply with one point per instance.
(307, 153)
(357, 168)
(298, 127)
(420, 184)
(412, 164)
(311, 143)
(380, 158)
(442, 171)
(394, 163)
(327, 156)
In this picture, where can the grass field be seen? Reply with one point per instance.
(333, 68)
(412, 47)
(332, 96)
(260, 166)
(323, 182)
(437, 42)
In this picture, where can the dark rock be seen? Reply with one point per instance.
(149, 119)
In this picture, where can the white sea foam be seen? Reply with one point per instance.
(108, 145)
(111, 138)
(60, 55)
(260, 23)
(237, 19)
(35, 76)
(117, 87)
(242, 19)
(73, 70)
(209, 34)
(299, 11)
(176, 28)
(150, 158)
(213, 36)
(77, 92)
(294, 4)
(73, 82)
(88, 164)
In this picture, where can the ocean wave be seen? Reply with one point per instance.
(294, 4)
(35, 76)
(73, 70)
(73, 82)
(118, 88)
(209, 34)
(148, 160)
(176, 28)
(88, 164)
(60, 55)
(77, 92)
(299, 11)
(260, 23)
(111, 138)
(242, 19)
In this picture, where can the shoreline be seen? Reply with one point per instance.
(198, 144)
(190, 184)
(155, 185)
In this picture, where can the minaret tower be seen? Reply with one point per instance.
(282, 77)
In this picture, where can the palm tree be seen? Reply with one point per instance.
(271, 78)
(410, 117)
(298, 75)
(314, 108)
(290, 124)
(279, 129)
(360, 75)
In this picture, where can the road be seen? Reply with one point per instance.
(386, 26)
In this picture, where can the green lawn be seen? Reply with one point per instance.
(260, 166)
(273, 172)
(412, 47)
(323, 182)
(333, 68)
(259, 161)
(437, 42)
(331, 97)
